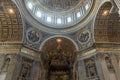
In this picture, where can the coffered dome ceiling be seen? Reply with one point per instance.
(58, 13)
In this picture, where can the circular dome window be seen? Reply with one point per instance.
(58, 13)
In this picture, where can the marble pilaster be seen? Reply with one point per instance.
(11, 67)
(17, 68)
(35, 70)
(116, 66)
(99, 67)
(81, 71)
(104, 67)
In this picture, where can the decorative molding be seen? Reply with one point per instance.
(30, 52)
(87, 54)
(33, 44)
(58, 31)
(6, 48)
(64, 36)
(87, 44)
(98, 48)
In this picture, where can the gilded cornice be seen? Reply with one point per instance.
(30, 53)
(10, 47)
(98, 48)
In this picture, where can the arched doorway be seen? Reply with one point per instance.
(58, 58)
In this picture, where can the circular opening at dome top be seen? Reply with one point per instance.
(58, 13)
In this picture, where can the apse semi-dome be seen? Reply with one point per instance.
(58, 13)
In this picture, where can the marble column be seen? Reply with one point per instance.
(116, 66)
(35, 70)
(99, 67)
(42, 72)
(81, 71)
(104, 66)
(17, 68)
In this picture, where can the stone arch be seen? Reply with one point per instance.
(106, 26)
(11, 27)
(62, 36)
(58, 57)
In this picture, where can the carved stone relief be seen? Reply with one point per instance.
(25, 70)
(91, 71)
(109, 63)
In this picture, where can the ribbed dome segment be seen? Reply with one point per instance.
(59, 13)
(61, 5)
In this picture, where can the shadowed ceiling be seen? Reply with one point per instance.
(10, 22)
(107, 25)
(52, 45)
(58, 51)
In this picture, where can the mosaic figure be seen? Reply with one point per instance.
(84, 36)
(33, 36)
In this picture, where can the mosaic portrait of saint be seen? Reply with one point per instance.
(33, 36)
(84, 36)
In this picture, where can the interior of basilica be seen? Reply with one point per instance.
(59, 39)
